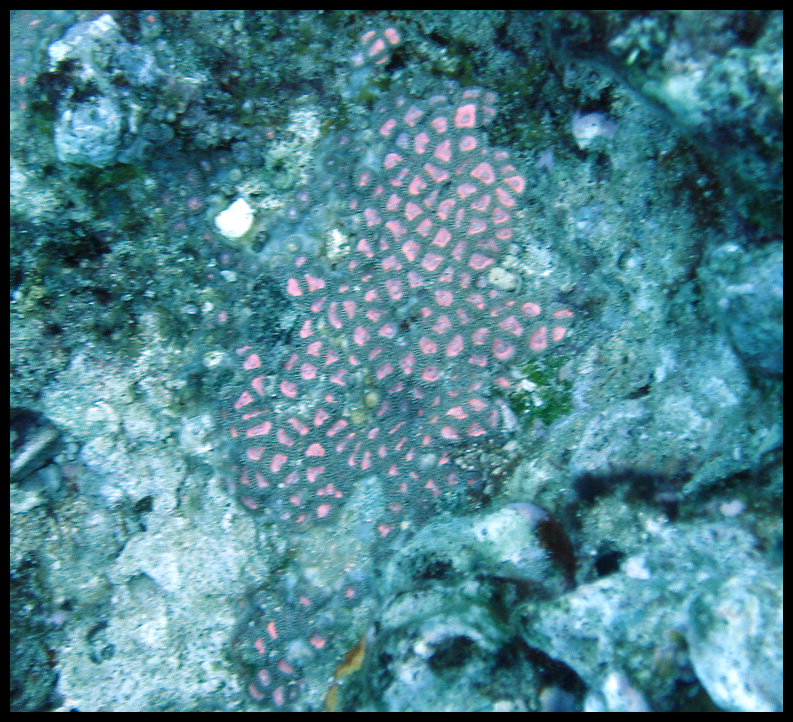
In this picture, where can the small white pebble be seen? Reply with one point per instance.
(236, 220)
(587, 129)
(636, 568)
(732, 508)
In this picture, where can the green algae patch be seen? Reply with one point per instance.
(543, 394)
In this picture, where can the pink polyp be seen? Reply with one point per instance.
(394, 289)
(448, 432)
(412, 210)
(431, 373)
(477, 225)
(252, 362)
(288, 389)
(338, 377)
(445, 208)
(339, 425)
(510, 323)
(416, 185)
(502, 350)
(465, 116)
(308, 372)
(558, 333)
(371, 216)
(333, 317)
(377, 47)
(500, 216)
(455, 346)
(465, 189)
(442, 325)
(427, 345)
(298, 426)
(442, 237)
(479, 262)
(481, 203)
(388, 127)
(415, 280)
(383, 371)
(439, 124)
(314, 282)
(539, 339)
(259, 429)
(443, 151)
(360, 335)
(410, 249)
(516, 182)
(391, 263)
(396, 228)
(484, 172)
(277, 463)
(257, 384)
(444, 298)
(424, 228)
(244, 399)
(505, 198)
(391, 160)
(349, 308)
(293, 287)
(255, 453)
(413, 115)
(406, 363)
(437, 174)
(313, 473)
(315, 450)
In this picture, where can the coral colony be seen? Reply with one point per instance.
(402, 354)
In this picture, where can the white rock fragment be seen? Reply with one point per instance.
(591, 129)
(735, 636)
(236, 220)
(621, 696)
(636, 568)
(75, 42)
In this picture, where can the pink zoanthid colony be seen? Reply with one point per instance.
(400, 361)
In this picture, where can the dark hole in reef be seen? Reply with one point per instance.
(102, 296)
(607, 562)
(451, 653)
(23, 422)
(435, 569)
(143, 506)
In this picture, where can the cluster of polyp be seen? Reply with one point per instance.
(394, 362)
(394, 365)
